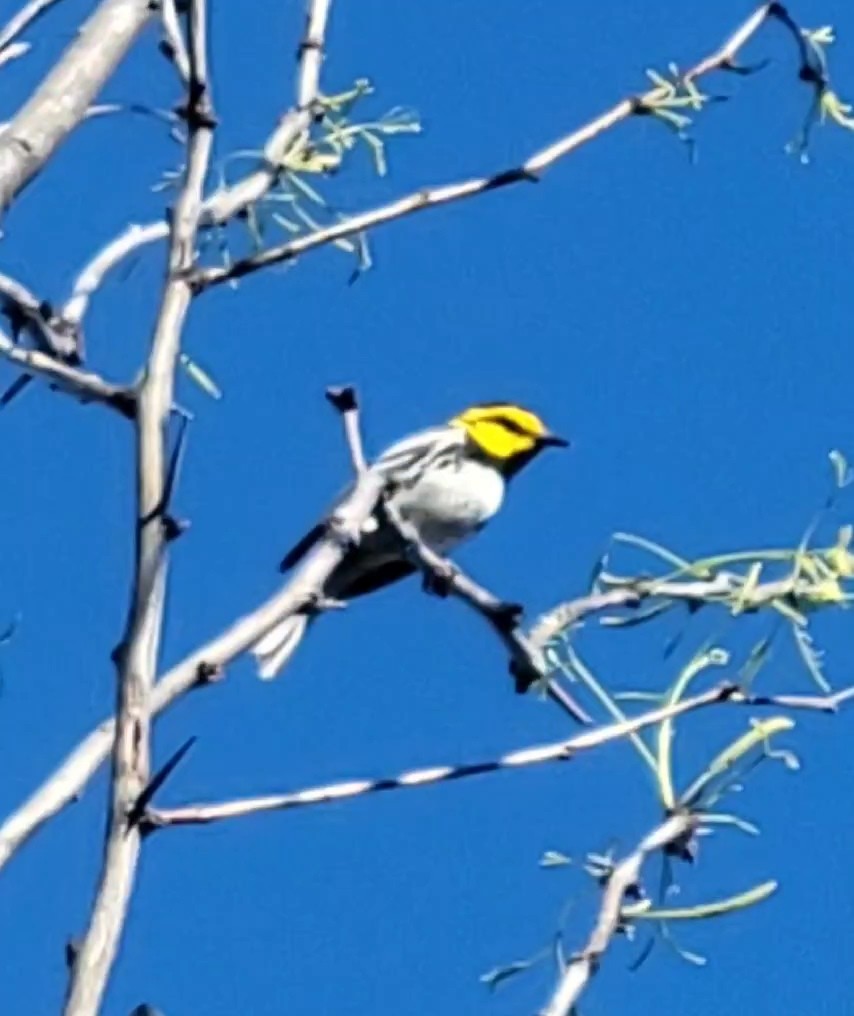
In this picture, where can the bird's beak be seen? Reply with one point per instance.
(552, 441)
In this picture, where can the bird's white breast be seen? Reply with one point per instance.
(451, 502)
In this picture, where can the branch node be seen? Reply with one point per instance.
(811, 75)
(72, 950)
(519, 174)
(139, 810)
(173, 528)
(524, 674)
(343, 398)
(684, 847)
(209, 673)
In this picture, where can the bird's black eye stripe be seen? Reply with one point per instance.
(508, 424)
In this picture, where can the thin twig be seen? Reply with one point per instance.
(632, 593)
(560, 751)
(173, 45)
(623, 882)
(20, 22)
(83, 385)
(345, 401)
(92, 274)
(131, 767)
(14, 51)
(530, 170)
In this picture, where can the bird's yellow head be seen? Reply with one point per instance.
(506, 433)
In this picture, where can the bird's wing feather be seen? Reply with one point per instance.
(370, 579)
(400, 460)
(417, 450)
(302, 547)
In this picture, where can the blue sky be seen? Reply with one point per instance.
(687, 325)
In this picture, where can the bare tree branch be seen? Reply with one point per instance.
(34, 318)
(623, 881)
(131, 758)
(228, 201)
(61, 101)
(83, 385)
(530, 170)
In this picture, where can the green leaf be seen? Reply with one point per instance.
(498, 975)
(703, 911)
(759, 734)
(842, 472)
(811, 656)
(554, 859)
(200, 377)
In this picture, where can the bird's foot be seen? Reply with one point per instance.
(439, 581)
(505, 615)
(319, 603)
(344, 531)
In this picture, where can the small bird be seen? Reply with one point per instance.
(448, 481)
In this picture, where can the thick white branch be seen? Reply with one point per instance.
(61, 101)
(131, 758)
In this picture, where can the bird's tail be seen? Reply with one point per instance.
(273, 650)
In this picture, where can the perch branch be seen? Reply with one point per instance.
(137, 659)
(527, 661)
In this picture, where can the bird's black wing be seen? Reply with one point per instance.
(369, 580)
